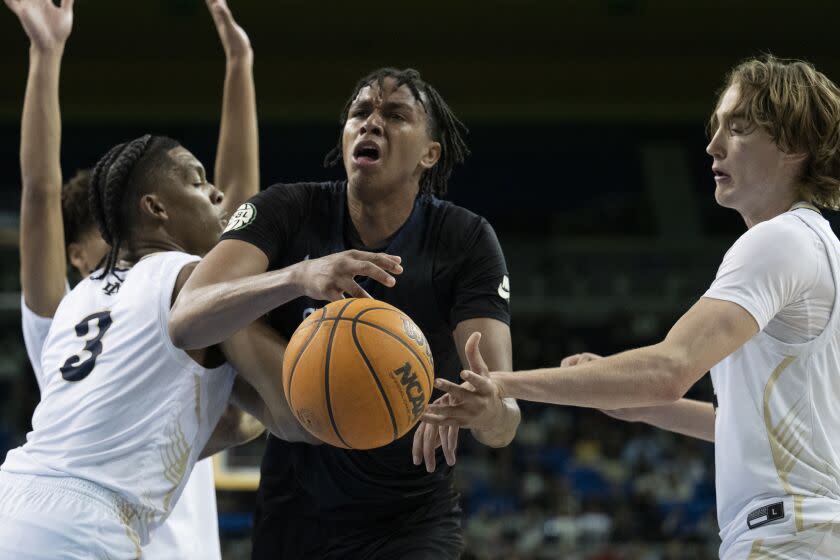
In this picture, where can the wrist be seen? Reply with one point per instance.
(240, 59)
(500, 379)
(295, 276)
(46, 53)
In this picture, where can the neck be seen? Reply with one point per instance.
(770, 210)
(376, 218)
(146, 247)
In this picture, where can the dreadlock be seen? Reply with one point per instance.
(444, 126)
(119, 178)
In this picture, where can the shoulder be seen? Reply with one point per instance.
(303, 189)
(782, 236)
(456, 222)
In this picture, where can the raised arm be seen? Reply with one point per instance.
(43, 268)
(237, 169)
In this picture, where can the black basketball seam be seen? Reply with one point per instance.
(392, 335)
(327, 373)
(315, 330)
(375, 378)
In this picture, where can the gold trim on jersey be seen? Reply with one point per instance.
(175, 457)
(197, 387)
(785, 438)
(127, 514)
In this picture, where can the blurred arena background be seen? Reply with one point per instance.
(587, 122)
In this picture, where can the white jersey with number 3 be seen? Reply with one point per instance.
(121, 406)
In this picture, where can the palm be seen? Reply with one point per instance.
(47, 25)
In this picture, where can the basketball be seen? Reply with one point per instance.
(358, 373)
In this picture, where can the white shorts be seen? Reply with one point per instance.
(50, 518)
(822, 542)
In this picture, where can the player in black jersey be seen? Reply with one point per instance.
(398, 145)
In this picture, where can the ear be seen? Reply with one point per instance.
(76, 256)
(431, 156)
(152, 206)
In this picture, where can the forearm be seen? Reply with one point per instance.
(41, 124)
(42, 261)
(236, 427)
(211, 314)
(503, 430)
(686, 416)
(256, 353)
(646, 376)
(237, 159)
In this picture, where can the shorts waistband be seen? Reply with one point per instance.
(129, 514)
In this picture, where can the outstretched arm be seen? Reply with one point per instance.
(654, 375)
(231, 288)
(686, 416)
(43, 268)
(237, 169)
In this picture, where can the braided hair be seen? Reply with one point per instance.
(124, 173)
(444, 126)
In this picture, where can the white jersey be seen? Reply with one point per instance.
(192, 529)
(35, 329)
(121, 406)
(777, 428)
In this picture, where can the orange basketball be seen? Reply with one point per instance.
(358, 373)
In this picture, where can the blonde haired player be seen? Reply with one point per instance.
(56, 218)
(768, 327)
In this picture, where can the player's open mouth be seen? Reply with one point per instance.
(720, 175)
(366, 153)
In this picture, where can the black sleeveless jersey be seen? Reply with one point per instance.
(454, 270)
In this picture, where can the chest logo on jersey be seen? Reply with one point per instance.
(243, 216)
(111, 288)
(413, 332)
(504, 288)
(413, 389)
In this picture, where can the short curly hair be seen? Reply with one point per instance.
(75, 209)
(800, 108)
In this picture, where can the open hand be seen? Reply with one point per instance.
(475, 404)
(234, 39)
(329, 278)
(428, 437)
(46, 24)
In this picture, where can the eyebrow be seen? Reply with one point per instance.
(196, 167)
(388, 105)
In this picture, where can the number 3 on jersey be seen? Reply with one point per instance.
(78, 366)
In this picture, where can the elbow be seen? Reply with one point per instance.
(674, 377)
(178, 331)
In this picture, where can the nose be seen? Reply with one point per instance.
(372, 125)
(216, 196)
(716, 147)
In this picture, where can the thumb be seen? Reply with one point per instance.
(473, 353)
